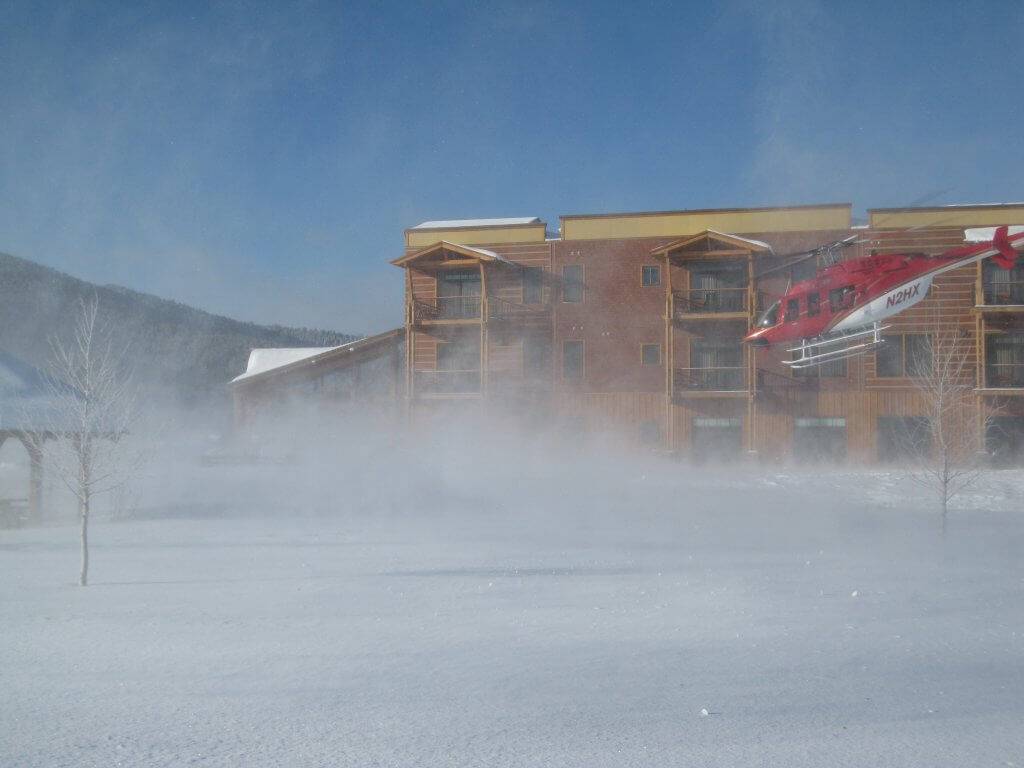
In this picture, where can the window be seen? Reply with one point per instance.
(572, 283)
(903, 437)
(650, 433)
(792, 310)
(532, 283)
(650, 354)
(841, 298)
(1004, 440)
(536, 357)
(458, 294)
(572, 360)
(1003, 286)
(908, 354)
(718, 287)
(770, 316)
(819, 439)
(650, 277)
(813, 304)
(716, 439)
(1004, 360)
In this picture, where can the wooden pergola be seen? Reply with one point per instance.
(27, 414)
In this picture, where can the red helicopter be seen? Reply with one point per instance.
(839, 312)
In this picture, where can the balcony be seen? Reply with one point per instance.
(446, 308)
(687, 381)
(710, 301)
(447, 382)
(500, 309)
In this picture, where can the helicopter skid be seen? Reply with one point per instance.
(817, 352)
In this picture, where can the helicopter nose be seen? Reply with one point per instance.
(756, 338)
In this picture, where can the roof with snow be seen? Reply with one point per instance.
(269, 361)
(465, 223)
(985, 234)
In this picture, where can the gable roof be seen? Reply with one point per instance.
(482, 254)
(264, 363)
(744, 243)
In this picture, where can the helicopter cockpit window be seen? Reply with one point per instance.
(813, 304)
(770, 316)
(841, 298)
(792, 310)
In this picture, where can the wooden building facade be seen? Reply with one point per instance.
(632, 324)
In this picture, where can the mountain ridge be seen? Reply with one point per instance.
(179, 351)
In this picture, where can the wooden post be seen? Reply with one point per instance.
(484, 316)
(669, 356)
(35, 481)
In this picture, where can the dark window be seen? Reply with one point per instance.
(458, 367)
(889, 358)
(536, 357)
(770, 316)
(903, 437)
(458, 293)
(650, 354)
(650, 433)
(715, 439)
(841, 298)
(1005, 440)
(917, 354)
(572, 360)
(813, 304)
(792, 310)
(572, 283)
(906, 354)
(651, 276)
(819, 439)
(718, 287)
(1004, 360)
(1003, 286)
(532, 282)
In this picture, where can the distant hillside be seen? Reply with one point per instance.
(180, 352)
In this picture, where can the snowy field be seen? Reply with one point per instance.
(606, 617)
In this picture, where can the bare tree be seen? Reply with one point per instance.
(91, 405)
(950, 440)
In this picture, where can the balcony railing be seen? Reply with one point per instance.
(447, 382)
(448, 308)
(1003, 294)
(500, 309)
(710, 301)
(1004, 375)
(719, 379)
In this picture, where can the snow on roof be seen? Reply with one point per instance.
(487, 253)
(263, 360)
(985, 234)
(457, 223)
(757, 243)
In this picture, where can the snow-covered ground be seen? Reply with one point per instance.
(584, 618)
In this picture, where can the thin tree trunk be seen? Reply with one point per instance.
(83, 509)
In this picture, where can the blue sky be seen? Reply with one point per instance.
(261, 159)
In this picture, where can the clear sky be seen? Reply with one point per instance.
(261, 159)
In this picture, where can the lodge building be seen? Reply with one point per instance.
(632, 324)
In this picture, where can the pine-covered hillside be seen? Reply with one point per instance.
(179, 351)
